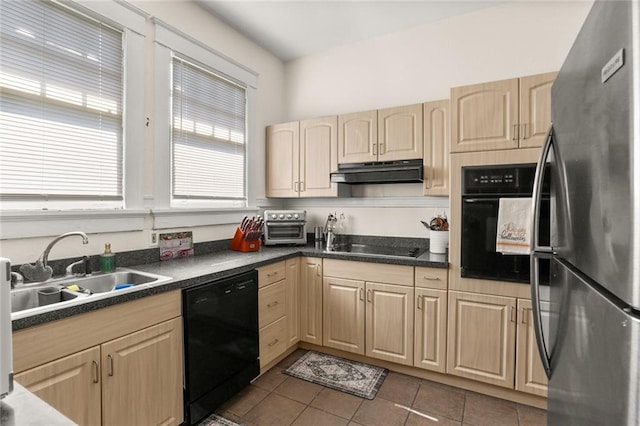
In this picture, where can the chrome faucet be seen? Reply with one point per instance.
(41, 271)
(330, 231)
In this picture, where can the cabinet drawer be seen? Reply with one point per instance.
(273, 341)
(431, 277)
(369, 271)
(270, 274)
(271, 303)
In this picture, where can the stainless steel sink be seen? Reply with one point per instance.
(27, 298)
(116, 281)
(26, 301)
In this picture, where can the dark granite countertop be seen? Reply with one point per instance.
(190, 271)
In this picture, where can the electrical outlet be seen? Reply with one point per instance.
(153, 238)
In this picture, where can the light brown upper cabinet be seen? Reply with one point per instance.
(400, 133)
(358, 137)
(383, 135)
(505, 114)
(300, 157)
(436, 147)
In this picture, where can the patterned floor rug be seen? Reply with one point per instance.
(216, 420)
(341, 374)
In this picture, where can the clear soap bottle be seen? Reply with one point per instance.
(107, 260)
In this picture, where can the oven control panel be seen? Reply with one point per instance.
(498, 179)
(285, 215)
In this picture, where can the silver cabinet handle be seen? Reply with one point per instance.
(380, 150)
(369, 296)
(272, 274)
(375, 149)
(110, 358)
(96, 372)
(273, 343)
(420, 302)
(525, 316)
(271, 305)
(524, 131)
(515, 133)
(430, 278)
(318, 273)
(362, 294)
(302, 186)
(296, 187)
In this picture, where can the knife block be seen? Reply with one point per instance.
(238, 243)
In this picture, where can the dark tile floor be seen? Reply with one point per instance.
(280, 400)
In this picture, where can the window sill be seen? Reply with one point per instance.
(16, 224)
(177, 218)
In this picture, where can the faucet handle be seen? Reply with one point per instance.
(16, 279)
(84, 261)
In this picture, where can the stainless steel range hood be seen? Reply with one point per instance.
(405, 171)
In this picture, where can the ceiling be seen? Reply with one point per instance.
(293, 29)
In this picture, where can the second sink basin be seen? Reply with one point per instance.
(109, 282)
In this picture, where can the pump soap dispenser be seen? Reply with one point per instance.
(107, 260)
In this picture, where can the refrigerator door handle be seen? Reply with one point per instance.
(537, 318)
(537, 195)
(537, 252)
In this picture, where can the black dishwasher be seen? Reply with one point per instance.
(220, 342)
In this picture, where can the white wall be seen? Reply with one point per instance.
(418, 65)
(192, 20)
(423, 63)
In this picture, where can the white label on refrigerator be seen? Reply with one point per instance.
(613, 65)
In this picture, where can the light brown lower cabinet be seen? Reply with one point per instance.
(367, 318)
(71, 385)
(311, 300)
(530, 374)
(430, 346)
(491, 340)
(135, 379)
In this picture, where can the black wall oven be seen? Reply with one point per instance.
(482, 188)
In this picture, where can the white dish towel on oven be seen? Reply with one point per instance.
(514, 226)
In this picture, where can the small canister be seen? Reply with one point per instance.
(318, 236)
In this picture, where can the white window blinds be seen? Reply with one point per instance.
(208, 134)
(60, 104)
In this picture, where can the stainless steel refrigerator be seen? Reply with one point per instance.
(589, 332)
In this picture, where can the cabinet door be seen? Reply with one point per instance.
(142, 377)
(530, 374)
(436, 147)
(389, 322)
(484, 116)
(481, 337)
(318, 157)
(400, 133)
(283, 160)
(358, 137)
(293, 300)
(311, 300)
(343, 314)
(430, 346)
(71, 385)
(535, 109)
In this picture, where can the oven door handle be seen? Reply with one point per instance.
(292, 223)
(481, 200)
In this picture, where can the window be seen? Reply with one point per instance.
(208, 136)
(61, 108)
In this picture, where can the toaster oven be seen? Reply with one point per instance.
(285, 227)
